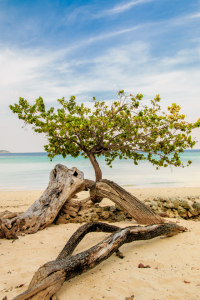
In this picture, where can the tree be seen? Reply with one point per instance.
(125, 129)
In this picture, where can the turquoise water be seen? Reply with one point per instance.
(30, 171)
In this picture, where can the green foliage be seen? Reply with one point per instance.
(125, 129)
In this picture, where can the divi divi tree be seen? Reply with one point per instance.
(125, 128)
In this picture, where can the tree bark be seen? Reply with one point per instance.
(64, 183)
(94, 162)
(50, 277)
(136, 209)
(98, 176)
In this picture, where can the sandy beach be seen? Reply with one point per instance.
(174, 262)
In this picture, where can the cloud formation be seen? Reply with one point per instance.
(120, 8)
(150, 56)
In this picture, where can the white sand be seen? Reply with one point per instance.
(172, 260)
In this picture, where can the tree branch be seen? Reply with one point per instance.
(50, 277)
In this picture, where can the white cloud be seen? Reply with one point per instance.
(194, 16)
(120, 8)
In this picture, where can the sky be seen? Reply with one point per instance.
(59, 48)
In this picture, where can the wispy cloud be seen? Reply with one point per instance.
(111, 34)
(194, 16)
(158, 27)
(120, 8)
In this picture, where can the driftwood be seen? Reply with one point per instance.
(137, 210)
(50, 277)
(64, 183)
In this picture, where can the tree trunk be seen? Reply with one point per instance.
(136, 209)
(94, 162)
(50, 277)
(64, 183)
(98, 176)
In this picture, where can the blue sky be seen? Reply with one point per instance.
(94, 48)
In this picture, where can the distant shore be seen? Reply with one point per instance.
(4, 151)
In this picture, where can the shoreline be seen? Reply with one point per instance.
(21, 200)
(126, 187)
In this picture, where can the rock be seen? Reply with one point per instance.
(194, 212)
(112, 209)
(61, 220)
(191, 198)
(182, 212)
(105, 215)
(168, 204)
(74, 220)
(185, 204)
(98, 210)
(130, 298)
(68, 207)
(112, 216)
(148, 200)
(94, 218)
(143, 266)
(162, 214)
(120, 217)
(189, 214)
(69, 212)
(175, 213)
(196, 206)
(175, 203)
(170, 213)
(118, 207)
(154, 207)
(173, 199)
(67, 217)
(81, 219)
(162, 199)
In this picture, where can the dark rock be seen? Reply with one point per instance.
(196, 206)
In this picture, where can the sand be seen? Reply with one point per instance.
(174, 261)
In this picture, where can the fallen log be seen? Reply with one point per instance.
(108, 189)
(64, 183)
(50, 277)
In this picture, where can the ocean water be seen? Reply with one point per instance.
(30, 171)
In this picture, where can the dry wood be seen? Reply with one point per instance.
(64, 183)
(50, 277)
(139, 211)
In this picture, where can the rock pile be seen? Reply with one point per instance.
(175, 207)
(185, 208)
(92, 213)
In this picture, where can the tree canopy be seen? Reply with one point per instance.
(125, 128)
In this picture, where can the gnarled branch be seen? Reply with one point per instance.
(50, 277)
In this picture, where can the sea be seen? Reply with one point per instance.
(30, 171)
